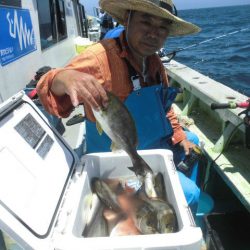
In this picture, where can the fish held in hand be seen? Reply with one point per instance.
(117, 122)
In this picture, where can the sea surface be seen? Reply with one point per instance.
(225, 59)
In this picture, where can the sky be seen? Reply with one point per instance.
(180, 4)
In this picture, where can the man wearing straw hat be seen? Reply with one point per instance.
(128, 67)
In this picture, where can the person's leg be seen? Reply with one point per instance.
(188, 183)
(191, 192)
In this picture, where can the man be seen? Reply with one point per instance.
(106, 23)
(128, 67)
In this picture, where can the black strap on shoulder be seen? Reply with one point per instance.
(132, 72)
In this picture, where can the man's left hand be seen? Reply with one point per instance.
(187, 146)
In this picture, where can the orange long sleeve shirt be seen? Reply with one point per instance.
(105, 61)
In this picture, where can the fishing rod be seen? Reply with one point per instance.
(171, 55)
(233, 105)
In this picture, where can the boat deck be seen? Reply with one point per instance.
(221, 130)
(232, 165)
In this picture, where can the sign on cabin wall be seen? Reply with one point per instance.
(17, 34)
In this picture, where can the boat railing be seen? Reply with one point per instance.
(222, 130)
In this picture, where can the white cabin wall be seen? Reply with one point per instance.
(59, 54)
(14, 76)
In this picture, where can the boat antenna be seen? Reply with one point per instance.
(171, 55)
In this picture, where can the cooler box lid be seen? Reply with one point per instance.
(36, 166)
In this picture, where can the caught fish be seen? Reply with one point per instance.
(115, 212)
(120, 221)
(160, 187)
(116, 121)
(98, 226)
(145, 218)
(161, 218)
(137, 214)
(95, 225)
(106, 195)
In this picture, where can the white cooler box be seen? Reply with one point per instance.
(45, 190)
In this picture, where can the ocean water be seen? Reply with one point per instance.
(227, 59)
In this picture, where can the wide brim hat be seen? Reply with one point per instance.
(160, 8)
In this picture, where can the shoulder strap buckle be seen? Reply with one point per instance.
(136, 82)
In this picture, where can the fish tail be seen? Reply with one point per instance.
(145, 174)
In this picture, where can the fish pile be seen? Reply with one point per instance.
(124, 211)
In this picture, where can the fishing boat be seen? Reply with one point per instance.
(226, 175)
(34, 38)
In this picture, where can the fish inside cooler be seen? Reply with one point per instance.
(96, 218)
(120, 207)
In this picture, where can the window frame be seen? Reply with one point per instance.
(81, 18)
(58, 23)
(11, 3)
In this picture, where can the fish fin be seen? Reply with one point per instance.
(114, 147)
(133, 169)
(99, 128)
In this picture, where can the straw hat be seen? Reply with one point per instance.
(161, 8)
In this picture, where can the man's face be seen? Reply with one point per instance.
(147, 33)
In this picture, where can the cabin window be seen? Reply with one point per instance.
(81, 19)
(52, 22)
(12, 3)
(61, 21)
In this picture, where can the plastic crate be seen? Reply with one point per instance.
(105, 165)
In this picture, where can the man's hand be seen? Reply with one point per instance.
(187, 146)
(81, 87)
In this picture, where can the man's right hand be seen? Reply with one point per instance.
(81, 87)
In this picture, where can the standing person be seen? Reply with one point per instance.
(124, 66)
(106, 23)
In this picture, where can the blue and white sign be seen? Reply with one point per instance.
(17, 37)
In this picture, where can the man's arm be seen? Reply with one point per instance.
(179, 135)
(80, 87)
(79, 82)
